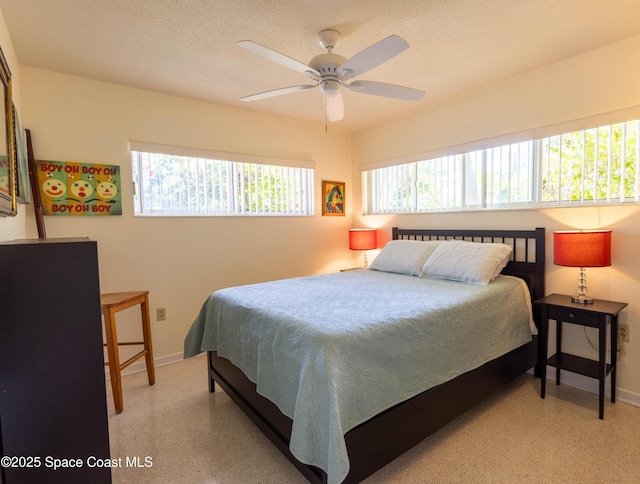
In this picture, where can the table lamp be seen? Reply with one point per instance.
(364, 240)
(582, 248)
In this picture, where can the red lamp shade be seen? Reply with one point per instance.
(363, 239)
(582, 248)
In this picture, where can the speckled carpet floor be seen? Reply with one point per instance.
(176, 432)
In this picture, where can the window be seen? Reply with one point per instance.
(174, 184)
(594, 166)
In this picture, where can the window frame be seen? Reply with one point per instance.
(531, 183)
(236, 184)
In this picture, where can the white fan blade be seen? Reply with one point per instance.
(373, 56)
(385, 90)
(274, 56)
(334, 106)
(276, 92)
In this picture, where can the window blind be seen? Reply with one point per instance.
(591, 166)
(184, 183)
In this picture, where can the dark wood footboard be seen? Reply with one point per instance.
(375, 443)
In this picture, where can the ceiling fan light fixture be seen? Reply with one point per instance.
(334, 107)
(330, 87)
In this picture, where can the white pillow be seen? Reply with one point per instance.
(472, 262)
(501, 265)
(404, 256)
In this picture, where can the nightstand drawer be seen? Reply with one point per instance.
(571, 315)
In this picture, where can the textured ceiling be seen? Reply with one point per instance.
(188, 48)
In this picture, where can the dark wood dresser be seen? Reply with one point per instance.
(53, 409)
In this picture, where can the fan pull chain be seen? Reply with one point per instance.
(326, 116)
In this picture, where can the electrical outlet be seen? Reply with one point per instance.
(161, 314)
(623, 333)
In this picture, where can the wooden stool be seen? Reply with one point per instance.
(110, 304)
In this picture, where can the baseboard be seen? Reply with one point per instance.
(591, 385)
(157, 362)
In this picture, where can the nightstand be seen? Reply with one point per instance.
(597, 315)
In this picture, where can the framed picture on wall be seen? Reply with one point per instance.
(23, 187)
(79, 189)
(333, 202)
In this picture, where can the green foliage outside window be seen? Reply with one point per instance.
(596, 164)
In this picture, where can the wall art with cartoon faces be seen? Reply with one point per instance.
(79, 189)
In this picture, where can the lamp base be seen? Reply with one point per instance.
(582, 299)
(365, 262)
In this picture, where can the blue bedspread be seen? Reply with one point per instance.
(332, 351)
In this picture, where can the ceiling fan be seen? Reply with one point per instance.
(332, 71)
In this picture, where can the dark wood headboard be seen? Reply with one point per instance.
(527, 258)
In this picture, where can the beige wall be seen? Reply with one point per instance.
(603, 81)
(182, 260)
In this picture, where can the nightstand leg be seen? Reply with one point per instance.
(602, 365)
(542, 350)
(558, 349)
(614, 356)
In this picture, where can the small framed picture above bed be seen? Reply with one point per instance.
(333, 195)
(333, 198)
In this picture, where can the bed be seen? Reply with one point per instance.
(342, 408)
